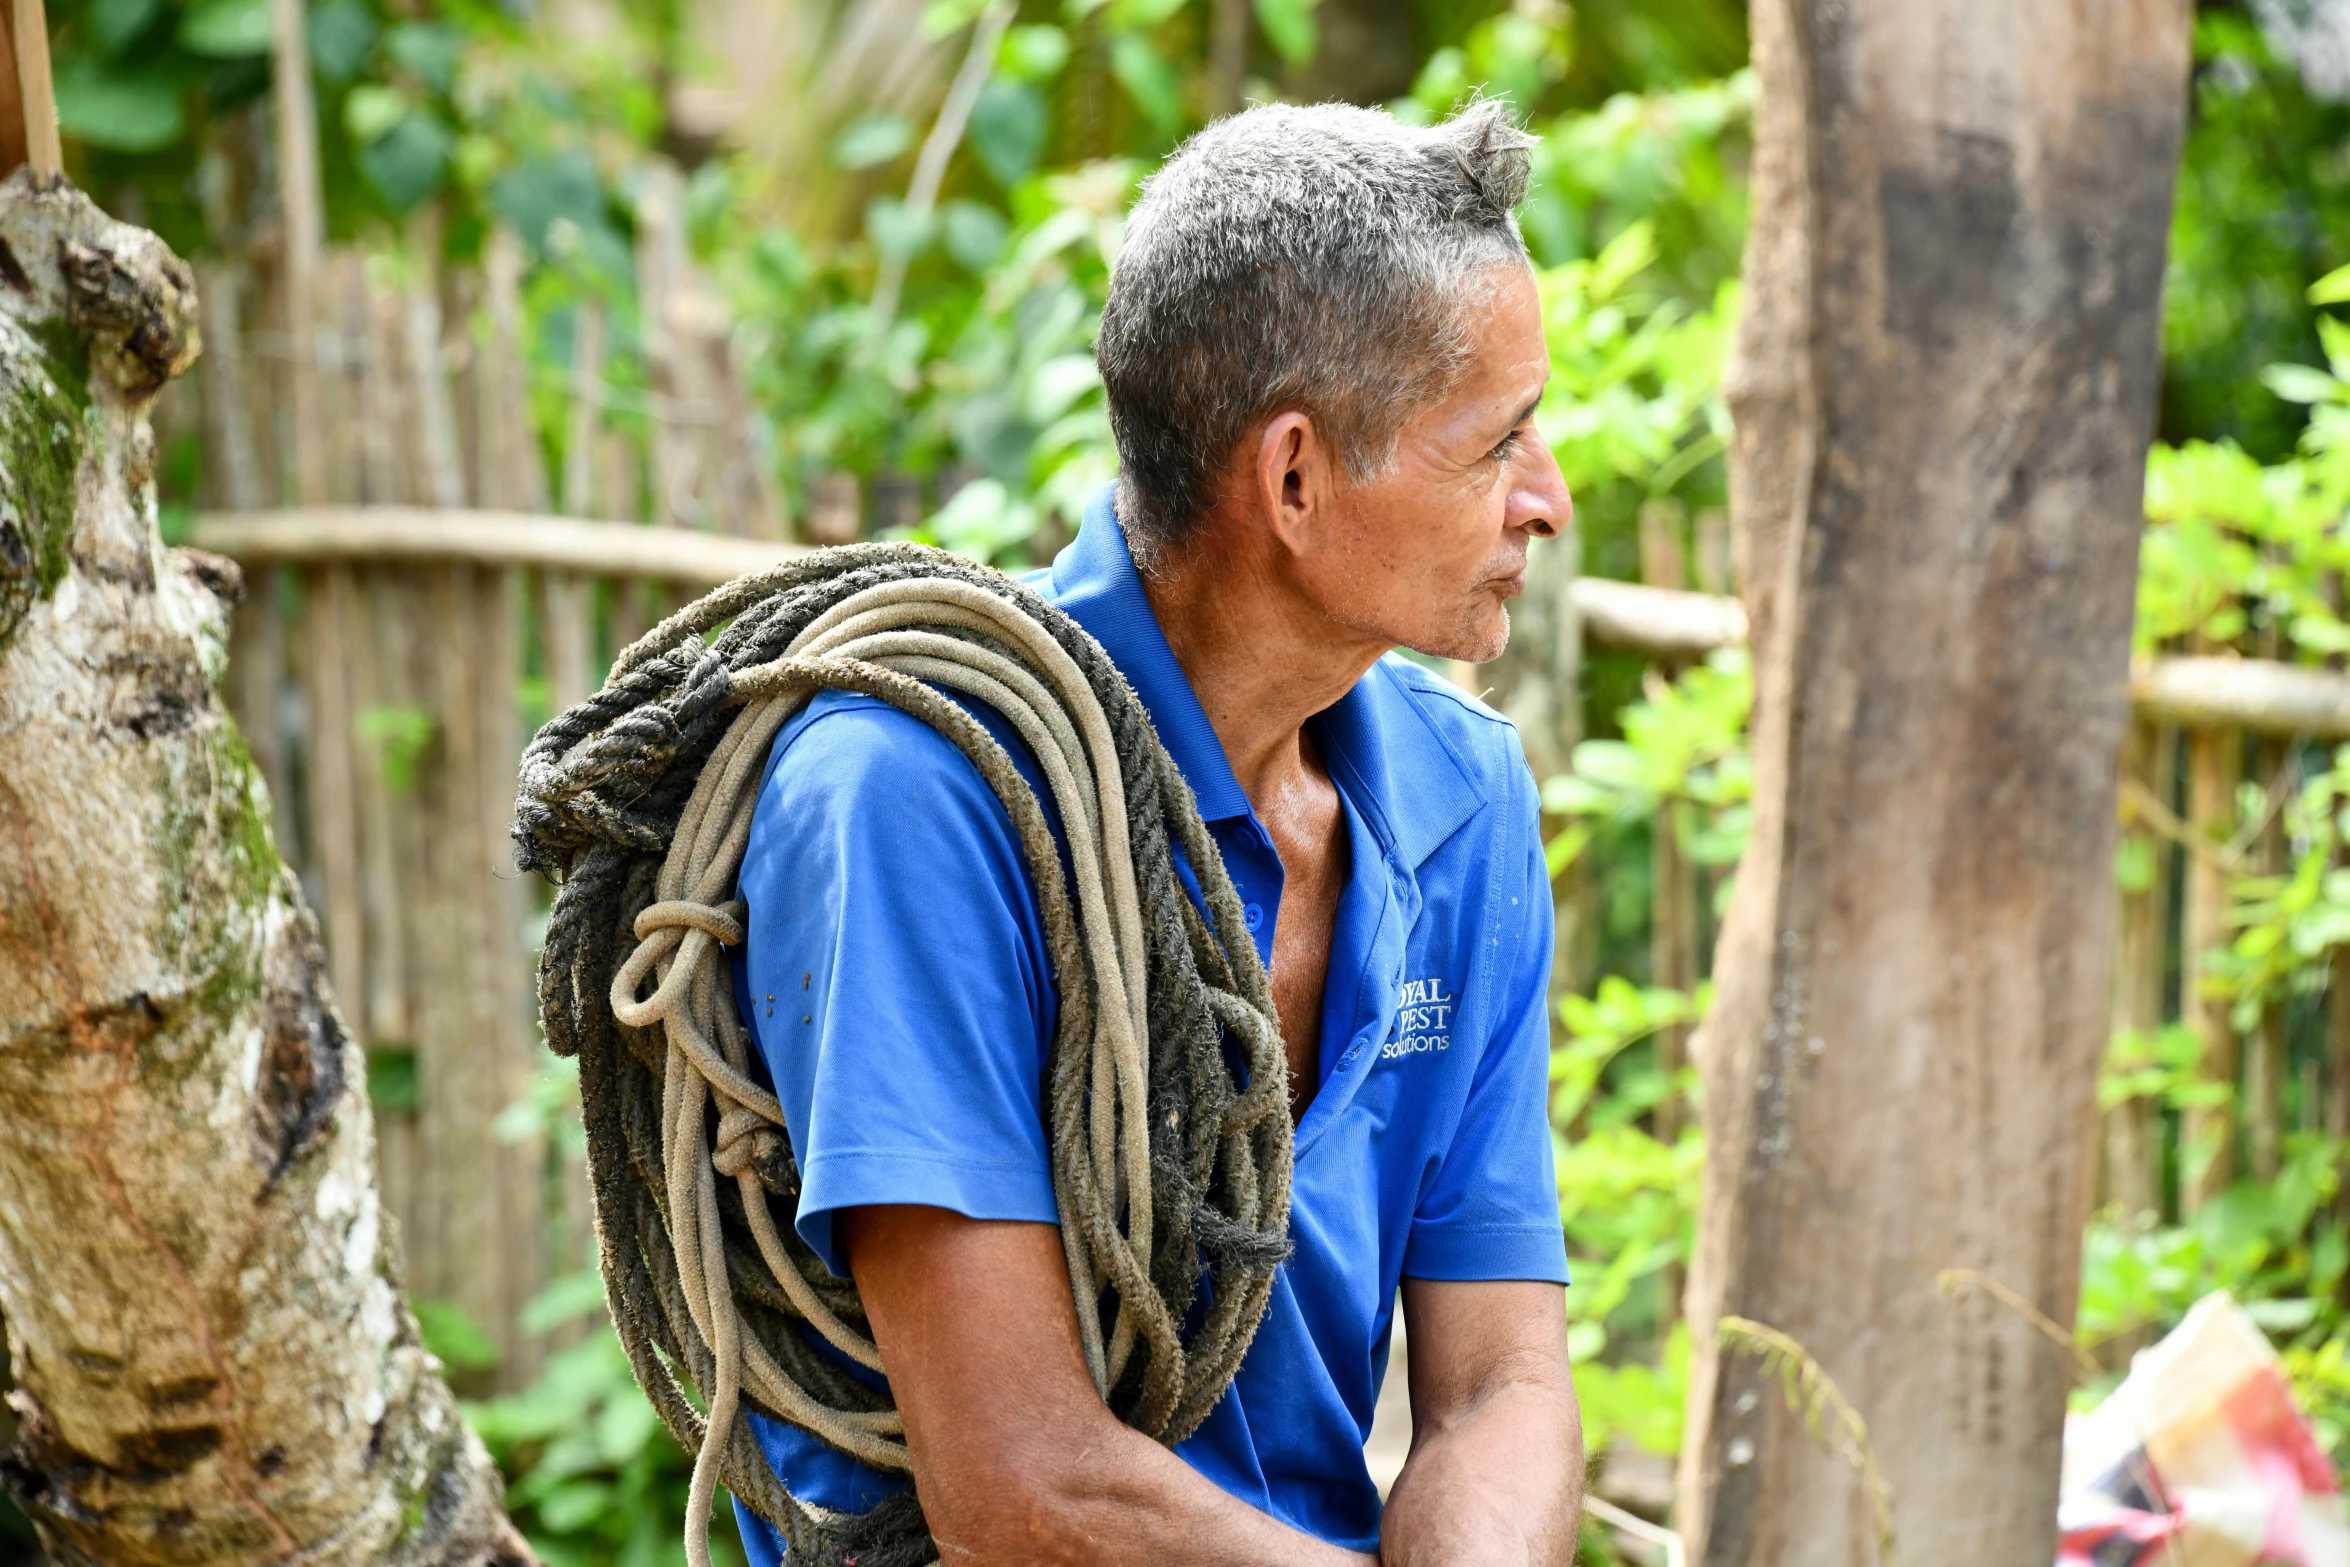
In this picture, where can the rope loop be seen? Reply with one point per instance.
(1171, 1162)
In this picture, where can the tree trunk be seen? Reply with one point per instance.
(1944, 387)
(214, 1363)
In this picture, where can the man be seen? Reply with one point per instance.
(1322, 353)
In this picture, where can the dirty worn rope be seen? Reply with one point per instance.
(1171, 1168)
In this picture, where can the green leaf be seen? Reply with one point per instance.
(372, 109)
(456, 1338)
(974, 234)
(941, 17)
(226, 29)
(897, 230)
(406, 164)
(341, 34)
(1034, 54)
(128, 111)
(113, 23)
(393, 1081)
(2332, 289)
(2303, 384)
(1289, 28)
(567, 1299)
(1009, 124)
(1143, 15)
(539, 192)
(429, 52)
(872, 139)
(1149, 80)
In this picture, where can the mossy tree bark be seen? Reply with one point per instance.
(1944, 388)
(213, 1361)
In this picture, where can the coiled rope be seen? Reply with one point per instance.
(1170, 1167)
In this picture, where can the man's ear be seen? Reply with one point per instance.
(1294, 475)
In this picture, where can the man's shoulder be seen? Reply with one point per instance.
(851, 754)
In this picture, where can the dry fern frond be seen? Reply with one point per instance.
(1957, 1281)
(1827, 1414)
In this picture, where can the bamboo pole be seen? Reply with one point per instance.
(334, 816)
(2266, 1062)
(29, 41)
(2214, 766)
(302, 210)
(2337, 1100)
(586, 413)
(12, 97)
(505, 961)
(660, 262)
(438, 456)
(380, 688)
(512, 472)
(1673, 911)
(387, 465)
(2131, 1136)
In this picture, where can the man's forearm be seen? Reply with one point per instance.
(1501, 1485)
(1122, 1498)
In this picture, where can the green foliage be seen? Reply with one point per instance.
(2263, 204)
(593, 1477)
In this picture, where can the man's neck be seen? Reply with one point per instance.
(1261, 657)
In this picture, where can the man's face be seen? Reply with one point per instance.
(1427, 555)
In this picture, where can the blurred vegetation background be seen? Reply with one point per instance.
(910, 207)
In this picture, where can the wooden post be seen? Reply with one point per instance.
(302, 212)
(12, 96)
(388, 467)
(1673, 910)
(586, 413)
(1229, 27)
(2337, 1102)
(29, 42)
(1943, 391)
(1673, 885)
(660, 261)
(328, 599)
(2266, 1062)
(439, 459)
(2214, 767)
(513, 474)
(505, 1013)
(2131, 1134)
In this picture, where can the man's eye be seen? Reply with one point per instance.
(1508, 447)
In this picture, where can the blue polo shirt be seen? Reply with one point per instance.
(896, 980)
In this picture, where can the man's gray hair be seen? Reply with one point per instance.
(1311, 258)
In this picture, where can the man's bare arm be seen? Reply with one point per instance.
(1495, 1474)
(1016, 1458)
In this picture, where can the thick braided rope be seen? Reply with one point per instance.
(1166, 1169)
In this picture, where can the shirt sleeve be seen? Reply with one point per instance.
(895, 971)
(1491, 1211)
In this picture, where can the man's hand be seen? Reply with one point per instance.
(1016, 1458)
(1495, 1475)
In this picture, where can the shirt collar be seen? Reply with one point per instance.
(1095, 581)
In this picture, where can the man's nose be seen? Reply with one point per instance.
(1542, 507)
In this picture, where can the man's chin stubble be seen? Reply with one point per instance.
(1474, 639)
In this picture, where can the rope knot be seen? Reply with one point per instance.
(747, 1143)
(721, 922)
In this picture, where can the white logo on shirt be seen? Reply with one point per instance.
(1423, 1022)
